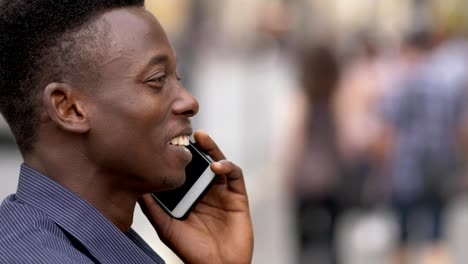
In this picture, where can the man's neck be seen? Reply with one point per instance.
(116, 204)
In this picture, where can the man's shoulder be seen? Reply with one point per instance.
(28, 235)
(18, 220)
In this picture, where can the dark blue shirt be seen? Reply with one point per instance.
(45, 223)
(426, 113)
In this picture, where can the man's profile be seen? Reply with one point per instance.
(91, 93)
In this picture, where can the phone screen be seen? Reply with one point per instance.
(192, 172)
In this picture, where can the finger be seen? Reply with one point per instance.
(220, 179)
(234, 175)
(208, 144)
(156, 215)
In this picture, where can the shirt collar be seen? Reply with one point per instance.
(84, 222)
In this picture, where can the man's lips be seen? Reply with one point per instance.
(181, 138)
(180, 141)
(181, 151)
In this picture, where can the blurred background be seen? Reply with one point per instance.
(348, 118)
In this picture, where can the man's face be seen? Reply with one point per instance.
(139, 106)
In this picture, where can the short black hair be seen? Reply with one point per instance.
(44, 41)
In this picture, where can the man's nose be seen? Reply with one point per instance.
(186, 104)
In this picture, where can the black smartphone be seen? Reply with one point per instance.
(198, 177)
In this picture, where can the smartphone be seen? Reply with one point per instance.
(198, 177)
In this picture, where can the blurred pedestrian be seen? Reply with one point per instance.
(318, 169)
(422, 118)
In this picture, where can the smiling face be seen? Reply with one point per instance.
(139, 106)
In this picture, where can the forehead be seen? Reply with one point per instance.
(135, 36)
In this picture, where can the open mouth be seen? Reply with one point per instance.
(180, 141)
(180, 145)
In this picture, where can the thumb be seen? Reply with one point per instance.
(158, 218)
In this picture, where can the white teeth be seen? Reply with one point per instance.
(180, 141)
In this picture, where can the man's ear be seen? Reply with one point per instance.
(65, 107)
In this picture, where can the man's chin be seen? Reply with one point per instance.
(171, 183)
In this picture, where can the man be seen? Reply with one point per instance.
(90, 91)
(423, 126)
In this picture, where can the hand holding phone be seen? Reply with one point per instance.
(219, 228)
(198, 176)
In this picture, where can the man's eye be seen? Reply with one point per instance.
(156, 82)
(159, 79)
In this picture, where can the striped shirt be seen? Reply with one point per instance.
(426, 113)
(45, 223)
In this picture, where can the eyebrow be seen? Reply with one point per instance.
(158, 59)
